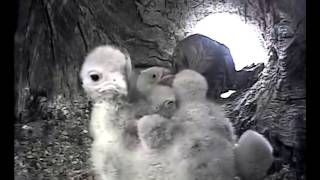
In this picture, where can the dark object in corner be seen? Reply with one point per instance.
(208, 57)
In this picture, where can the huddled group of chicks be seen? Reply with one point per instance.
(160, 126)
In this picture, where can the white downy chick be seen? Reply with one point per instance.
(156, 131)
(204, 150)
(147, 81)
(151, 77)
(190, 88)
(100, 73)
(163, 101)
(104, 75)
(253, 155)
(116, 154)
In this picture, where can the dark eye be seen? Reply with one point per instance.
(94, 77)
(170, 102)
(156, 108)
(154, 76)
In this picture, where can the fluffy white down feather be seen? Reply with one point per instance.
(198, 138)
(203, 148)
(116, 155)
(253, 155)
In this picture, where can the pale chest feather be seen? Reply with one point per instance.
(193, 112)
(107, 121)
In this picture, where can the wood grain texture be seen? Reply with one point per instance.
(53, 37)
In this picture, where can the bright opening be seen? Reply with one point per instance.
(227, 94)
(244, 40)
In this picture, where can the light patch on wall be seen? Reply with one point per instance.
(244, 40)
(227, 94)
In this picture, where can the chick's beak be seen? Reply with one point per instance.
(166, 77)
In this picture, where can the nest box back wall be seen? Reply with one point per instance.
(53, 37)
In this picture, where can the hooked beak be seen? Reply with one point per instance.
(110, 87)
(166, 77)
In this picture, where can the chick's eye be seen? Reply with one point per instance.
(156, 108)
(94, 77)
(154, 76)
(170, 102)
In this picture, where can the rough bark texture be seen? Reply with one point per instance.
(52, 38)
